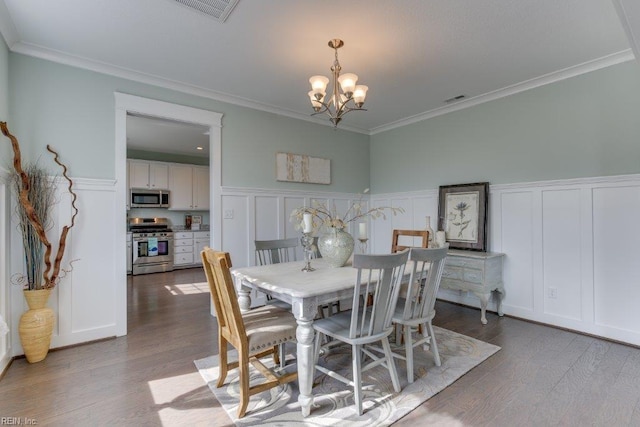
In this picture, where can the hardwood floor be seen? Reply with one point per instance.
(542, 375)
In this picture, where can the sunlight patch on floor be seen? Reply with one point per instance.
(188, 288)
(175, 395)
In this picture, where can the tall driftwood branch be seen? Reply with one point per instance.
(23, 198)
(65, 229)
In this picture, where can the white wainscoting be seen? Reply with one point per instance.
(85, 299)
(251, 214)
(575, 236)
(576, 239)
(5, 309)
(257, 214)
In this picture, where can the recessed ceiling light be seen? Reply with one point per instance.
(199, 148)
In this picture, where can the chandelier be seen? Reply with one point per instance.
(339, 102)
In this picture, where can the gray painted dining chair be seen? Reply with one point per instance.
(378, 276)
(285, 250)
(416, 304)
(276, 251)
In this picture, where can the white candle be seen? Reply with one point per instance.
(362, 230)
(307, 223)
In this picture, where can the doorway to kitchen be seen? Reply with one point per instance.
(127, 105)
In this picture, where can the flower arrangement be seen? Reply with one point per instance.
(322, 216)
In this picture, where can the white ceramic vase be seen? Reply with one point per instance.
(336, 246)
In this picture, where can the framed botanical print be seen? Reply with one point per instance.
(462, 215)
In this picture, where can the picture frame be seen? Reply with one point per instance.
(196, 221)
(462, 215)
(301, 168)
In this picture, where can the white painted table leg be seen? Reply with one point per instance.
(244, 298)
(304, 314)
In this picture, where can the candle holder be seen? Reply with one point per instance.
(307, 244)
(363, 245)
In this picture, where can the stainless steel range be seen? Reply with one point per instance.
(152, 245)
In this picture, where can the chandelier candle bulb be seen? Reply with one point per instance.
(307, 223)
(348, 83)
(362, 230)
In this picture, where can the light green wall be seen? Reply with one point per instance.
(585, 126)
(73, 110)
(5, 152)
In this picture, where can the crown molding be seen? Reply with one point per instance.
(150, 79)
(8, 30)
(586, 67)
(10, 35)
(629, 23)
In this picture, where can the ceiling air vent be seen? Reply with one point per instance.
(217, 9)
(455, 99)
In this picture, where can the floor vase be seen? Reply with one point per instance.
(36, 325)
(336, 246)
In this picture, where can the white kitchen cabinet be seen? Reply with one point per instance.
(187, 246)
(189, 186)
(151, 175)
(200, 240)
(201, 188)
(182, 249)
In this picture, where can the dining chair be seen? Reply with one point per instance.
(415, 308)
(284, 250)
(379, 276)
(254, 334)
(276, 251)
(397, 247)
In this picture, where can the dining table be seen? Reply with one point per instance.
(305, 291)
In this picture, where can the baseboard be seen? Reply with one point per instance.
(5, 363)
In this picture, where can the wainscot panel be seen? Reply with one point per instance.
(84, 300)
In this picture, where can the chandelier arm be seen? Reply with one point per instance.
(348, 110)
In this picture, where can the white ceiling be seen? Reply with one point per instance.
(413, 54)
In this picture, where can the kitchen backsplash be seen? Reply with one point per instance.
(177, 218)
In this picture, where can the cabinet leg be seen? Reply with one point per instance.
(501, 295)
(484, 300)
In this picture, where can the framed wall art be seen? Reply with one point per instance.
(462, 215)
(301, 168)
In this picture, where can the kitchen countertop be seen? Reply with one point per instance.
(203, 227)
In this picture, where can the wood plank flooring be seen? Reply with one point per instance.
(542, 376)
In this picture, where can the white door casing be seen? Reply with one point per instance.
(128, 103)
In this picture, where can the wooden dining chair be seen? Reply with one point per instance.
(379, 276)
(254, 334)
(416, 307)
(397, 247)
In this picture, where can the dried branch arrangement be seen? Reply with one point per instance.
(30, 208)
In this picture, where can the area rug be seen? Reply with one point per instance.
(333, 402)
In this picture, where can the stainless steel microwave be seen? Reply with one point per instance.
(149, 198)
